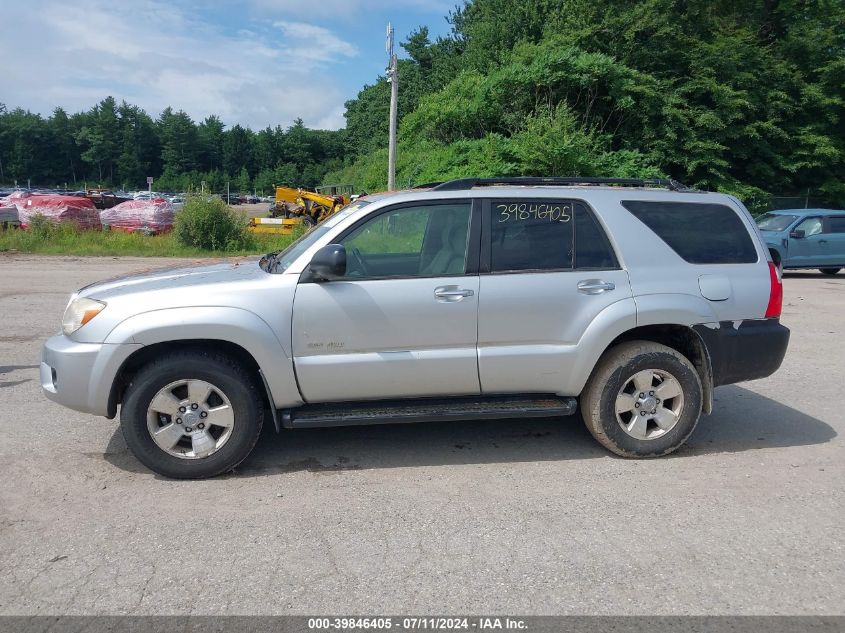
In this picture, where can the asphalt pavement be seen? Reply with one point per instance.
(509, 517)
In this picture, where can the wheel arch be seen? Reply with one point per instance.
(147, 353)
(241, 332)
(682, 339)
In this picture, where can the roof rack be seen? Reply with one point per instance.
(428, 185)
(529, 181)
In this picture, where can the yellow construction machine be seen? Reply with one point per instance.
(312, 206)
(294, 206)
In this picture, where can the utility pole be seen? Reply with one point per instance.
(393, 78)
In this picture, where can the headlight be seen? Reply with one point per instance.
(78, 312)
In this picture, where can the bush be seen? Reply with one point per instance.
(42, 227)
(210, 224)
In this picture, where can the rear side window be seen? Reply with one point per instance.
(592, 249)
(700, 233)
(546, 235)
(531, 235)
(837, 224)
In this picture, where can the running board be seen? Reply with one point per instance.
(426, 410)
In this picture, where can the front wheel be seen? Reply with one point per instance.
(642, 400)
(830, 271)
(191, 415)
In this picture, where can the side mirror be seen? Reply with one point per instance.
(329, 262)
(798, 234)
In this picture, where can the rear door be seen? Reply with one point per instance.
(547, 271)
(402, 323)
(833, 238)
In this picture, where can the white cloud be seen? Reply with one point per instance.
(352, 8)
(154, 54)
(313, 42)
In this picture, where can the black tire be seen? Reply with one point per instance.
(598, 400)
(829, 271)
(308, 221)
(220, 370)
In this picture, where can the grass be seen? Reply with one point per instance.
(67, 240)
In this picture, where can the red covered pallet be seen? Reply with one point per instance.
(149, 216)
(58, 209)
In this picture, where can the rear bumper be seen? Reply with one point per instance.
(80, 375)
(744, 350)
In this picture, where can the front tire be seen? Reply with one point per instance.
(829, 271)
(191, 414)
(642, 400)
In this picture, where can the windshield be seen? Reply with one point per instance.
(279, 261)
(775, 222)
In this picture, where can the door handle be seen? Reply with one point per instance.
(822, 241)
(452, 293)
(595, 286)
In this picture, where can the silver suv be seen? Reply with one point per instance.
(476, 298)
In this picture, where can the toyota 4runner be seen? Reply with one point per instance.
(472, 299)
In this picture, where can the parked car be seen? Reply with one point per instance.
(177, 202)
(477, 298)
(805, 238)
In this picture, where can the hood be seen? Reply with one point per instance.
(221, 271)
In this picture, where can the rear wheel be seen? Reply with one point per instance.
(830, 271)
(191, 415)
(642, 400)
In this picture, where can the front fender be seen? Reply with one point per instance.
(234, 325)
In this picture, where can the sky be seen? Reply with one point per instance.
(253, 62)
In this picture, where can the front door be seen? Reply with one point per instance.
(807, 251)
(539, 292)
(403, 321)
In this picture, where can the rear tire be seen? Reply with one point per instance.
(829, 271)
(632, 376)
(212, 439)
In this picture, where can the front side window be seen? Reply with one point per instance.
(425, 241)
(701, 233)
(810, 226)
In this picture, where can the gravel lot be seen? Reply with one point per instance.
(525, 517)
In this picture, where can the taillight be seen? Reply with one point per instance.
(775, 293)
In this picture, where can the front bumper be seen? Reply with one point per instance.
(744, 350)
(80, 375)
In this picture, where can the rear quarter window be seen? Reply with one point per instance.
(701, 233)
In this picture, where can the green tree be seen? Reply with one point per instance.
(243, 183)
(179, 141)
(210, 135)
(238, 150)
